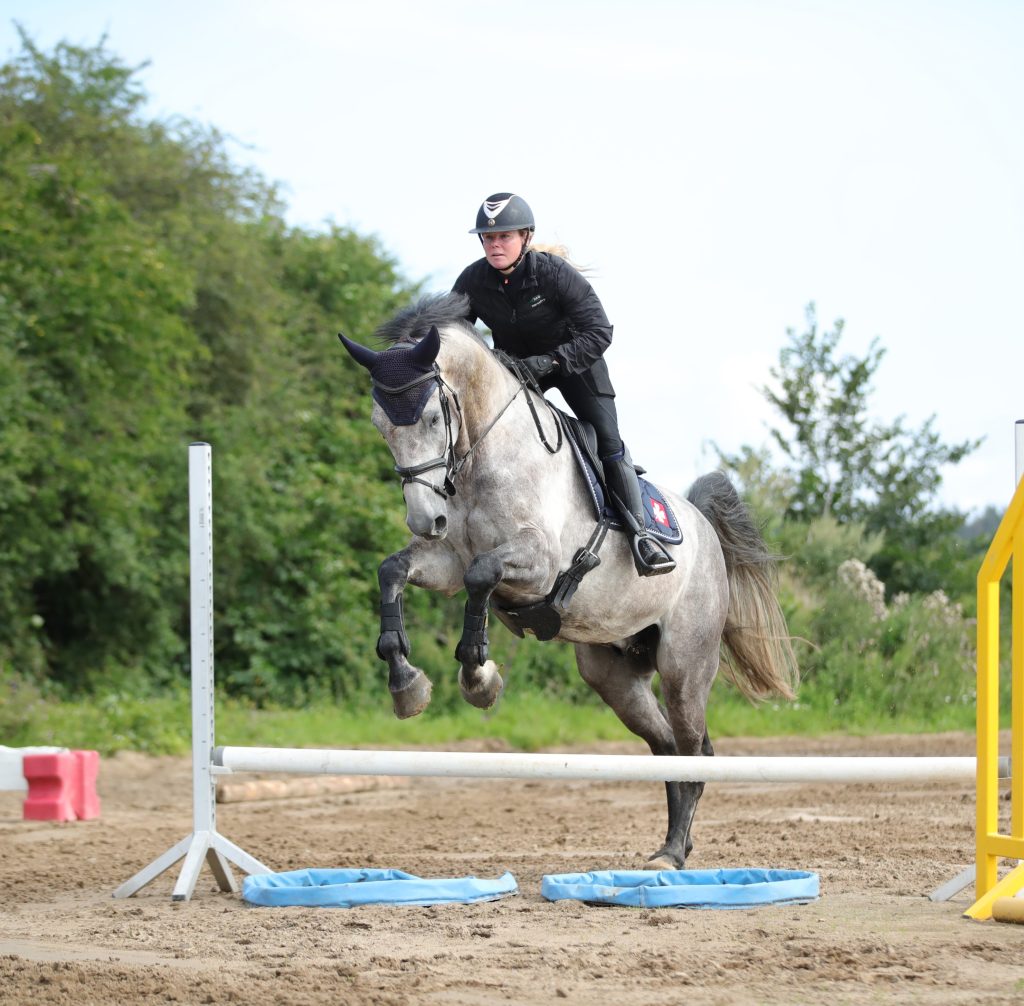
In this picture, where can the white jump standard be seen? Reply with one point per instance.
(204, 843)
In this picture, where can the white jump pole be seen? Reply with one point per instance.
(204, 843)
(599, 768)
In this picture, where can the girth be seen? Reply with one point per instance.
(544, 618)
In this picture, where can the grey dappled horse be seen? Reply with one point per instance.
(497, 508)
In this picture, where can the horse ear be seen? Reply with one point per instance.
(427, 348)
(363, 356)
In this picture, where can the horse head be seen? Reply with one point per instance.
(413, 413)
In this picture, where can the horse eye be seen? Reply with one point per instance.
(435, 419)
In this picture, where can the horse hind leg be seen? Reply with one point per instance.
(622, 677)
(686, 676)
(679, 840)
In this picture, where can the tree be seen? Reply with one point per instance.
(151, 294)
(845, 465)
(95, 345)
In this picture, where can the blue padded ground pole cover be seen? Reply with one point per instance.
(348, 888)
(741, 888)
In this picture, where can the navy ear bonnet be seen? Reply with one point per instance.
(404, 377)
(402, 385)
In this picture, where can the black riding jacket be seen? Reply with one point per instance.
(544, 307)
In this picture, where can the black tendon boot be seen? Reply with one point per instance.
(649, 554)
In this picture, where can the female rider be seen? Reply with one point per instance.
(543, 311)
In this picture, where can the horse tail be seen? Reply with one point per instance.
(759, 658)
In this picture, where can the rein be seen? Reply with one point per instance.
(447, 461)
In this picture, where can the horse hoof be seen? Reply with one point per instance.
(662, 863)
(487, 688)
(413, 698)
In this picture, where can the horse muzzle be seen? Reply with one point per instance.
(426, 514)
(437, 529)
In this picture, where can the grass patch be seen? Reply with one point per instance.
(730, 715)
(159, 725)
(162, 725)
(525, 720)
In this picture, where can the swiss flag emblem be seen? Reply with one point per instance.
(660, 514)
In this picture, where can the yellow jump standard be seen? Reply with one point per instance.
(1007, 545)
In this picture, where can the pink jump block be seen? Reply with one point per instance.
(61, 787)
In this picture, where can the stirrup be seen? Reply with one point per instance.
(664, 564)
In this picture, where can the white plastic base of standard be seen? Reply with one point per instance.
(12, 772)
(953, 887)
(218, 852)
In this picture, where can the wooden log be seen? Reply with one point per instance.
(1008, 910)
(230, 791)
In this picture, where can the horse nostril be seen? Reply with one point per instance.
(440, 526)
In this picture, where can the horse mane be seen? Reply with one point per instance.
(412, 323)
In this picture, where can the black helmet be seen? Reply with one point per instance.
(503, 212)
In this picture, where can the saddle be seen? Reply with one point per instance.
(660, 519)
(544, 618)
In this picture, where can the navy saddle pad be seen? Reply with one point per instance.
(660, 517)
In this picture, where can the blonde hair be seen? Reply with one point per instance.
(562, 252)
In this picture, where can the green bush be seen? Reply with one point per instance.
(912, 655)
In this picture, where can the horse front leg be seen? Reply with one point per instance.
(479, 680)
(426, 567)
(518, 562)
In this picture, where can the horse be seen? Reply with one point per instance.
(497, 505)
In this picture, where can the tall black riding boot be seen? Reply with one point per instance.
(649, 555)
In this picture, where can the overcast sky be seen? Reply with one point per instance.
(717, 165)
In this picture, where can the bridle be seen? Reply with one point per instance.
(452, 466)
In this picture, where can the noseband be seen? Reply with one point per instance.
(447, 461)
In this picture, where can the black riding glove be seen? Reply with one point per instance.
(540, 366)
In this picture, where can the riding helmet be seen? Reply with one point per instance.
(503, 211)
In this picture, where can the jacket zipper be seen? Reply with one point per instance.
(513, 319)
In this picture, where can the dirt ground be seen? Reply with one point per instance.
(872, 937)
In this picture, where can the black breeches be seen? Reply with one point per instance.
(598, 410)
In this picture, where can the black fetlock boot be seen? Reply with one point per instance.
(649, 555)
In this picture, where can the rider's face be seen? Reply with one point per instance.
(502, 250)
